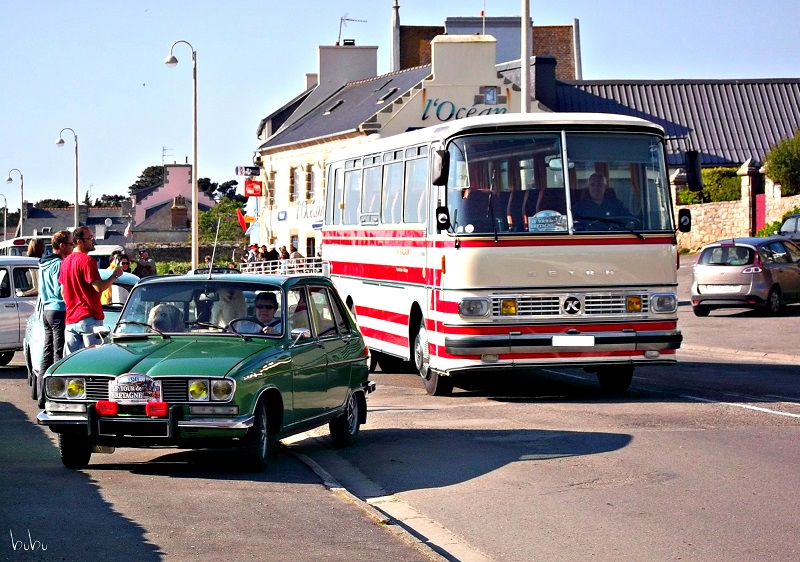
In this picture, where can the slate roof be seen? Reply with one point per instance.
(55, 219)
(727, 121)
(359, 101)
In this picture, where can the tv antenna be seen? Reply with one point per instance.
(343, 23)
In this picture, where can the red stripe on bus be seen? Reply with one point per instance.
(384, 315)
(384, 336)
(553, 328)
(563, 241)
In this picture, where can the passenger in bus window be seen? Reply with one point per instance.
(598, 202)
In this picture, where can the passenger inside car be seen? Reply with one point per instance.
(266, 309)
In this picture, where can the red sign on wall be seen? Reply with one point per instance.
(253, 188)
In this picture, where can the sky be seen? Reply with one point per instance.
(97, 67)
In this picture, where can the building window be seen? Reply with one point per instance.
(309, 194)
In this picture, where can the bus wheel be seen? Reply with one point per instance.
(615, 380)
(435, 384)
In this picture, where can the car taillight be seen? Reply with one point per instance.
(756, 267)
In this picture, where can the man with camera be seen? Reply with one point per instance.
(145, 266)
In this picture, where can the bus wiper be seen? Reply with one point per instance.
(621, 222)
(490, 209)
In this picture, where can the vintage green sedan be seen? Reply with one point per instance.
(200, 361)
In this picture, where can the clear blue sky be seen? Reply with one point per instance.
(97, 66)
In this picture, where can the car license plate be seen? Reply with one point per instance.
(711, 289)
(573, 341)
(134, 389)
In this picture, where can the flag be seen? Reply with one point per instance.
(127, 230)
(240, 216)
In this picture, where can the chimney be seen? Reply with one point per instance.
(394, 65)
(311, 80)
(339, 64)
(179, 212)
(543, 76)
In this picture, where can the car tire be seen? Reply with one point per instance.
(6, 357)
(774, 304)
(615, 380)
(345, 427)
(255, 451)
(701, 311)
(75, 450)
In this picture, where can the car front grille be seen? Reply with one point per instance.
(174, 389)
(553, 305)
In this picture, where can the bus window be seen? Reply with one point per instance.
(371, 194)
(392, 190)
(352, 192)
(414, 203)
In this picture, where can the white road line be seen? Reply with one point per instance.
(746, 407)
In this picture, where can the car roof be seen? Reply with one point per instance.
(126, 278)
(241, 278)
(748, 241)
(18, 260)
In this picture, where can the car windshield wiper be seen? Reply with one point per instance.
(621, 222)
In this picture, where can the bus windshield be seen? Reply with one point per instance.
(519, 183)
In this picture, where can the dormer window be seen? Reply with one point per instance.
(333, 107)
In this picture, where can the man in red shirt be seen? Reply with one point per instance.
(81, 289)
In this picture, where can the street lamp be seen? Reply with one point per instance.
(5, 217)
(171, 61)
(60, 142)
(21, 195)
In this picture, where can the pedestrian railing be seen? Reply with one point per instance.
(287, 267)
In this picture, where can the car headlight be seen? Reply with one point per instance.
(198, 390)
(62, 387)
(473, 307)
(664, 302)
(221, 390)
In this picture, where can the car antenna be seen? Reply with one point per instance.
(214, 249)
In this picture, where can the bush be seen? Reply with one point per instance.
(179, 267)
(782, 165)
(719, 184)
(772, 228)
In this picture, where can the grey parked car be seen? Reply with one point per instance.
(791, 228)
(757, 273)
(18, 278)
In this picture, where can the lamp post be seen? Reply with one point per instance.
(21, 196)
(171, 61)
(5, 217)
(60, 142)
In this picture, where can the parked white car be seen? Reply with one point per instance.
(18, 290)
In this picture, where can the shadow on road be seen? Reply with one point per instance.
(61, 509)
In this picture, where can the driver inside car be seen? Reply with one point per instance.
(597, 202)
(266, 306)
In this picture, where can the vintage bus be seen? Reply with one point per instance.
(478, 246)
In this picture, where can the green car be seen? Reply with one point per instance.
(216, 360)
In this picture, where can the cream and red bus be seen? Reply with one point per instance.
(476, 246)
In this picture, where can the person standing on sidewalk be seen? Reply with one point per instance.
(81, 288)
(53, 307)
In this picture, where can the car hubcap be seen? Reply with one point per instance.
(352, 414)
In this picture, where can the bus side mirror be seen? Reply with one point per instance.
(684, 220)
(694, 175)
(441, 167)
(442, 219)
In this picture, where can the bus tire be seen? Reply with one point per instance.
(435, 384)
(615, 380)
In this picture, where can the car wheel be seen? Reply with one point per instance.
(774, 303)
(75, 450)
(6, 357)
(615, 380)
(345, 427)
(701, 311)
(256, 442)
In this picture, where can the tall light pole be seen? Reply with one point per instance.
(60, 142)
(21, 195)
(5, 217)
(171, 61)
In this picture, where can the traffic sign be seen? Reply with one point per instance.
(247, 170)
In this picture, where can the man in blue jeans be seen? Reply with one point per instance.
(53, 307)
(82, 286)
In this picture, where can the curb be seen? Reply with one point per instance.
(745, 354)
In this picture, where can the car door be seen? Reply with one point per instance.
(781, 268)
(337, 352)
(9, 312)
(792, 291)
(309, 363)
(18, 293)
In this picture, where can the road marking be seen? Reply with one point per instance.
(745, 406)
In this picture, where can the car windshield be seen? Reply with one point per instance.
(203, 306)
(727, 255)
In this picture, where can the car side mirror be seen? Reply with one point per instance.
(684, 220)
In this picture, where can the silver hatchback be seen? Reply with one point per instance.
(757, 273)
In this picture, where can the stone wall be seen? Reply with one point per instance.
(731, 219)
(183, 252)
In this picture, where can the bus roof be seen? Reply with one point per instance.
(445, 130)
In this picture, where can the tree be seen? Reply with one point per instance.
(229, 229)
(782, 165)
(110, 201)
(227, 190)
(152, 175)
(52, 204)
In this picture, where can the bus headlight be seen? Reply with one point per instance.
(473, 307)
(664, 303)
